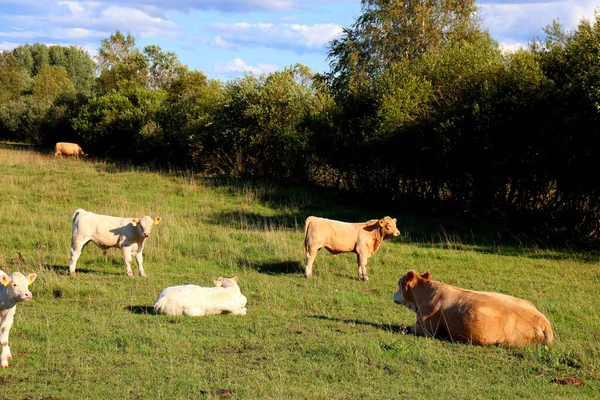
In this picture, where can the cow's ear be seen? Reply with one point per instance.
(5, 279)
(395, 220)
(218, 282)
(31, 278)
(410, 275)
(157, 220)
(382, 222)
(134, 222)
(426, 274)
(235, 278)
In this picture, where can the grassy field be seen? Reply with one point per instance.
(331, 337)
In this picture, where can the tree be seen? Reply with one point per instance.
(23, 55)
(41, 57)
(389, 32)
(51, 82)
(162, 66)
(11, 81)
(119, 60)
(80, 67)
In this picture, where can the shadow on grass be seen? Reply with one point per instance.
(64, 270)
(255, 221)
(141, 310)
(384, 327)
(278, 267)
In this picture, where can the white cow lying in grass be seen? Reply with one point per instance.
(197, 301)
(14, 289)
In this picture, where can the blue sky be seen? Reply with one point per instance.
(227, 38)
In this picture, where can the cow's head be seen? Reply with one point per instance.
(145, 224)
(405, 285)
(17, 286)
(388, 227)
(226, 282)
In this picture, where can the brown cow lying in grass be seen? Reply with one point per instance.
(481, 318)
(362, 238)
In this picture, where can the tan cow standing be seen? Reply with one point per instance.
(68, 149)
(362, 238)
(128, 234)
(480, 318)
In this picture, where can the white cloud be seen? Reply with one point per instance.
(7, 45)
(221, 43)
(512, 46)
(295, 37)
(238, 66)
(524, 20)
(74, 6)
(138, 22)
(22, 34)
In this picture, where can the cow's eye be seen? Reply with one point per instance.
(14, 285)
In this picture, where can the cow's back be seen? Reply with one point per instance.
(101, 228)
(183, 300)
(335, 235)
(69, 149)
(496, 318)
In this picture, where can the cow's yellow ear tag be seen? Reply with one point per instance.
(5, 280)
(133, 222)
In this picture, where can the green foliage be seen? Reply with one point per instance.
(114, 125)
(41, 57)
(186, 116)
(390, 32)
(119, 60)
(20, 119)
(51, 82)
(11, 82)
(259, 129)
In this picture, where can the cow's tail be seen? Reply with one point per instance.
(306, 225)
(76, 213)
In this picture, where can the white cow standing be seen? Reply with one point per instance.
(128, 234)
(197, 301)
(14, 289)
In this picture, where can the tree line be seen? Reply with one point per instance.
(420, 107)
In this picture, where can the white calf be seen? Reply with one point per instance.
(14, 289)
(128, 234)
(196, 301)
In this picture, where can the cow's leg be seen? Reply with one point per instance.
(127, 257)
(139, 258)
(417, 329)
(362, 258)
(234, 308)
(5, 325)
(311, 254)
(77, 244)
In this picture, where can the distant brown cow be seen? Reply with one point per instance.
(480, 318)
(362, 238)
(68, 149)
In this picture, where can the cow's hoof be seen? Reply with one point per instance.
(130, 275)
(364, 278)
(144, 275)
(73, 274)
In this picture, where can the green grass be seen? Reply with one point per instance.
(330, 337)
